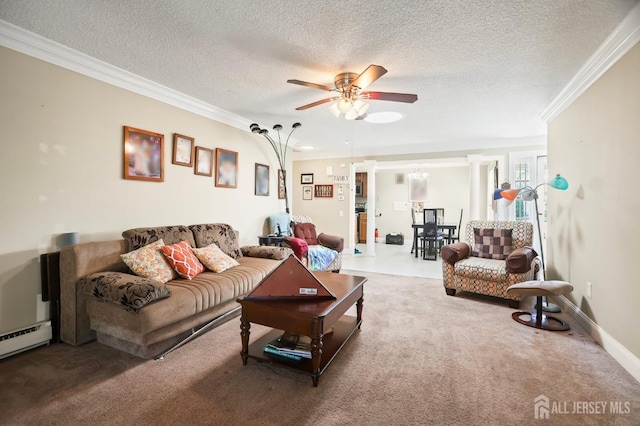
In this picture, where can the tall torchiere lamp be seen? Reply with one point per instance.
(531, 194)
(279, 149)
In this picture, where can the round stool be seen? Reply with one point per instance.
(538, 319)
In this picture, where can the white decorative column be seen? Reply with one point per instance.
(370, 166)
(474, 186)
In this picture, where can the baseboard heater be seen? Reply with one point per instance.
(24, 339)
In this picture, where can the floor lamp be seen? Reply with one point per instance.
(531, 194)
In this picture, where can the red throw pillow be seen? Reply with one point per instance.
(182, 259)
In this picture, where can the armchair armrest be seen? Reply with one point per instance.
(452, 253)
(520, 260)
(266, 252)
(298, 245)
(331, 241)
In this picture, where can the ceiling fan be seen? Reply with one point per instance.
(349, 92)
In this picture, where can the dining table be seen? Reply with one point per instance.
(449, 227)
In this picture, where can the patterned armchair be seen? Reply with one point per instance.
(496, 255)
(305, 238)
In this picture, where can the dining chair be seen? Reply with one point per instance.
(431, 240)
(440, 215)
(456, 237)
(414, 245)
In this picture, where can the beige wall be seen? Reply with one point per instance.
(61, 160)
(593, 227)
(448, 189)
(330, 215)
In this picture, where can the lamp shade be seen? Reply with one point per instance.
(510, 194)
(559, 182)
(344, 105)
(334, 109)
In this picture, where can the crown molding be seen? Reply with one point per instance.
(619, 42)
(31, 44)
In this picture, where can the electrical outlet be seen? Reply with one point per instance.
(341, 213)
(589, 289)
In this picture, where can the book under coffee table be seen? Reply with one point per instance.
(322, 320)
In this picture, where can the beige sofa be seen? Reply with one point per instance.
(157, 326)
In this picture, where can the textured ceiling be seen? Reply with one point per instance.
(483, 70)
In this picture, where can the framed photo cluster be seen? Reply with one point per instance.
(144, 158)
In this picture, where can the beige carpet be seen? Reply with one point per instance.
(421, 358)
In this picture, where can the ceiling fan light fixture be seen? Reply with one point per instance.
(352, 114)
(344, 104)
(361, 107)
(334, 109)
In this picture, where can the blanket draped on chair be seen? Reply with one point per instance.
(321, 257)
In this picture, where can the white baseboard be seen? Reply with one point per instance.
(629, 361)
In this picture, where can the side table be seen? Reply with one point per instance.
(270, 240)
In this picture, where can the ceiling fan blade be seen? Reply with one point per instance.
(312, 85)
(395, 97)
(368, 76)
(311, 105)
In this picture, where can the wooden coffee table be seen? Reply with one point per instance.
(313, 318)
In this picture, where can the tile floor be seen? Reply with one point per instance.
(392, 259)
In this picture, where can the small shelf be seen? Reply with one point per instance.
(343, 329)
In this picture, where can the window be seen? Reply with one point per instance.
(522, 179)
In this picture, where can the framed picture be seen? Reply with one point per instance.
(143, 155)
(262, 179)
(204, 161)
(307, 192)
(306, 178)
(324, 191)
(282, 181)
(226, 168)
(183, 150)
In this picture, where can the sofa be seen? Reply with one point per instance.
(495, 255)
(102, 299)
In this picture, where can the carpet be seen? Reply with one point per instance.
(421, 357)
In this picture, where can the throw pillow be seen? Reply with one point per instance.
(221, 234)
(182, 260)
(492, 243)
(149, 262)
(214, 258)
(130, 291)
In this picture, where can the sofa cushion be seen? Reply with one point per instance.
(214, 258)
(482, 269)
(182, 259)
(218, 233)
(149, 262)
(267, 252)
(130, 291)
(306, 231)
(492, 243)
(140, 237)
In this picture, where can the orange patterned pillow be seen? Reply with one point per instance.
(149, 262)
(214, 258)
(181, 258)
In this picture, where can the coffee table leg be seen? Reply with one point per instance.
(359, 311)
(244, 332)
(316, 354)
